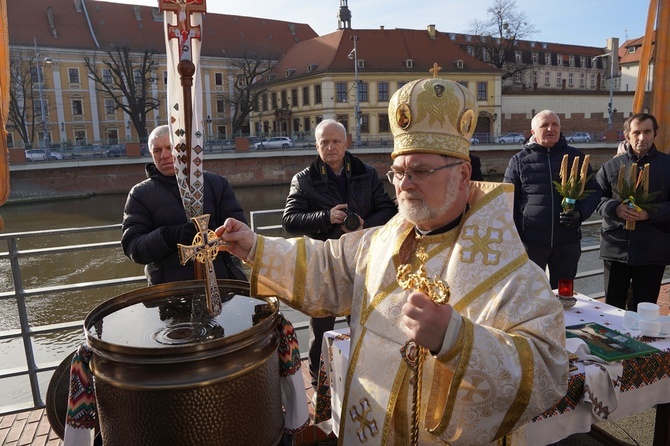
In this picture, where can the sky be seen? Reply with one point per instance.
(576, 22)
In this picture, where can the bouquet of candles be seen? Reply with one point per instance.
(572, 185)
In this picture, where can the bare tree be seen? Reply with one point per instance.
(126, 77)
(499, 35)
(250, 68)
(23, 96)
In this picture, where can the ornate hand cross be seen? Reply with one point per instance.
(204, 249)
(184, 32)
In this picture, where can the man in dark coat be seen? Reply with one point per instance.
(336, 194)
(551, 236)
(635, 257)
(154, 220)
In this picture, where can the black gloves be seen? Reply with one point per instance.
(570, 219)
(183, 234)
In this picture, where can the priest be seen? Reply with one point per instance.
(456, 337)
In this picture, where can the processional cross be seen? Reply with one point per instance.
(183, 31)
(204, 249)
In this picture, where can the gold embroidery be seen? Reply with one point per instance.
(522, 398)
(300, 274)
(435, 107)
(364, 424)
(258, 259)
(353, 362)
(482, 245)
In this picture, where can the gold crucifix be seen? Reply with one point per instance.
(411, 352)
(436, 69)
(204, 249)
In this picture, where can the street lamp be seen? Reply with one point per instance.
(357, 112)
(610, 110)
(45, 137)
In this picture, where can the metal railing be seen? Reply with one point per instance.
(261, 222)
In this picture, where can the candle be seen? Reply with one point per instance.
(564, 170)
(584, 173)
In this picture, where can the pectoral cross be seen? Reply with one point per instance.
(204, 249)
(183, 31)
(411, 352)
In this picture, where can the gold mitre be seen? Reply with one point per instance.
(432, 116)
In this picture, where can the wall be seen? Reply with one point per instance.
(105, 176)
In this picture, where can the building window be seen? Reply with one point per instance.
(570, 80)
(77, 108)
(559, 79)
(220, 106)
(317, 94)
(107, 76)
(365, 123)
(582, 80)
(463, 83)
(241, 80)
(294, 97)
(109, 106)
(80, 137)
(547, 78)
(482, 94)
(218, 79)
(221, 131)
(517, 78)
(362, 91)
(384, 123)
(593, 81)
(10, 141)
(341, 92)
(533, 79)
(471, 50)
(571, 61)
(165, 77)
(37, 109)
(344, 120)
(284, 100)
(486, 56)
(559, 60)
(582, 61)
(305, 96)
(401, 84)
(517, 56)
(306, 124)
(273, 100)
(535, 57)
(137, 75)
(264, 102)
(296, 125)
(382, 91)
(547, 58)
(73, 75)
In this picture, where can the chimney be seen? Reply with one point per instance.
(431, 32)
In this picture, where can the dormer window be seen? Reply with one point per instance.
(409, 63)
(459, 63)
(361, 63)
(311, 67)
(290, 71)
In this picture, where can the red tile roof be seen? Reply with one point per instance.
(383, 50)
(628, 57)
(116, 23)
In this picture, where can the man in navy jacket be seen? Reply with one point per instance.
(552, 237)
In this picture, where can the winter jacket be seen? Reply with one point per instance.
(312, 195)
(537, 203)
(154, 205)
(649, 243)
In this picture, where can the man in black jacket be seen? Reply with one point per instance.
(154, 220)
(336, 194)
(637, 256)
(551, 236)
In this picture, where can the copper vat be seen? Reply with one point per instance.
(166, 373)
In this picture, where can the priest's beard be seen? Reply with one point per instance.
(416, 211)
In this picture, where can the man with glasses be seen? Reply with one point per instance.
(456, 337)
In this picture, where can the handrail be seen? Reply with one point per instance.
(26, 332)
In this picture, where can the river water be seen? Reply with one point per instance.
(67, 268)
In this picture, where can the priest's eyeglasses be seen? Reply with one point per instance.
(417, 176)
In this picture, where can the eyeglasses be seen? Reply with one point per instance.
(416, 176)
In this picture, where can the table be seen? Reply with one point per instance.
(597, 391)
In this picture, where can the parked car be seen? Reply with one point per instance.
(116, 151)
(42, 155)
(474, 140)
(509, 138)
(277, 142)
(579, 137)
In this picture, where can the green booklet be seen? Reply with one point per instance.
(608, 344)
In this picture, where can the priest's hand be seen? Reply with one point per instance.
(239, 235)
(424, 321)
